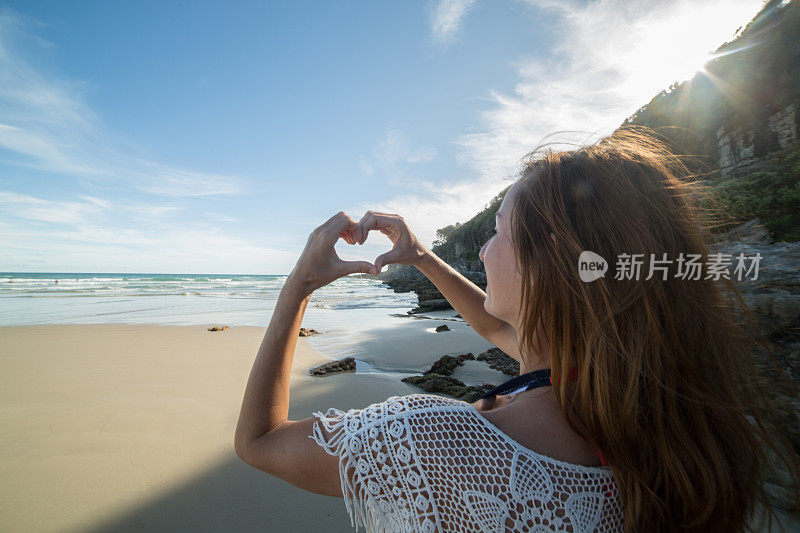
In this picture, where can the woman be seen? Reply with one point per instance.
(657, 382)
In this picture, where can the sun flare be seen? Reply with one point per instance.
(674, 47)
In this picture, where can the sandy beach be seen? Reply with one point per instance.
(130, 427)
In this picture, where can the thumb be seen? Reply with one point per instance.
(359, 267)
(385, 259)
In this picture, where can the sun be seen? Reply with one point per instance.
(674, 47)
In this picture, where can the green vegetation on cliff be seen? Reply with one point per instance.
(464, 241)
(771, 194)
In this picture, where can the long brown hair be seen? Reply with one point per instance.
(667, 385)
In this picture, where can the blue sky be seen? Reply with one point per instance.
(208, 137)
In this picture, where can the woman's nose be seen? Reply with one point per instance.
(480, 254)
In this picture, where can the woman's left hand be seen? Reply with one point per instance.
(318, 264)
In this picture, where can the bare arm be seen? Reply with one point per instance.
(265, 437)
(467, 298)
(266, 402)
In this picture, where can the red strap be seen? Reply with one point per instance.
(573, 374)
(602, 457)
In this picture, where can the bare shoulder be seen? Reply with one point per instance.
(488, 404)
(537, 424)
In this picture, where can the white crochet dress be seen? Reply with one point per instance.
(427, 463)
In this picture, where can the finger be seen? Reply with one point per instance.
(348, 237)
(334, 218)
(385, 259)
(355, 234)
(342, 222)
(357, 267)
(379, 221)
(362, 224)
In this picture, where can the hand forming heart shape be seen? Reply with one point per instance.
(406, 249)
(319, 264)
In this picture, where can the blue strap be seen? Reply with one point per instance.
(521, 383)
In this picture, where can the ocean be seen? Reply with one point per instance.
(188, 299)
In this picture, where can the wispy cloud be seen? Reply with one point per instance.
(611, 57)
(395, 149)
(16, 208)
(175, 249)
(447, 17)
(53, 235)
(96, 201)
(219, 217)
(22, 206)
(45, 124)
(393, 158)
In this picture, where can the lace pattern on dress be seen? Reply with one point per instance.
(427, 463)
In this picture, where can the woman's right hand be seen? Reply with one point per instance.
(407, 249)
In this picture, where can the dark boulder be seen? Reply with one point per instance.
(501, 361)
(432, 382)
(446, 364)
(348, 364)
